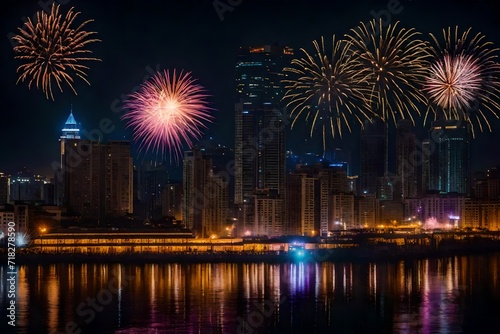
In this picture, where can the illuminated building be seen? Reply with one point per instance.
(259, 124)
(449, 157)
(308, 198)
(205, 195)
(215, 209)
(445, 208)
(70, 131)
(195, 172)
(18, 214)
(481, 213)
(22, 187)
(365, 211)
(342, 212)
(268, 213)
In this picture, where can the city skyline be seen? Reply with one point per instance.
(243, 166)
(97, 101)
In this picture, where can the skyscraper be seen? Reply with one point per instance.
(406, 163)
(373, 156)
(70, 131)
(260, 121)
(449, 157)
(195, 171)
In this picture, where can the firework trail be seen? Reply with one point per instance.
(167, 111)
(392, 61)
(326, 89)
(52, 49)
(463, 80)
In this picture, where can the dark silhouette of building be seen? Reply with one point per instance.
(407, 159)
(373, 157)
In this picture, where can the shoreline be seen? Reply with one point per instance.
(334, 256)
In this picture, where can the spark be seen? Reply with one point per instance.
(52, 49)
(326, 89)
(169, 110)
(392, 62)
(463, 80)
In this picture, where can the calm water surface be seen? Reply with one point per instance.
(447, 295)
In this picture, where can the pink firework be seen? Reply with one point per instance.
(168, 111)
(454, 82)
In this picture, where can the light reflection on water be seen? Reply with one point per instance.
(449, 295)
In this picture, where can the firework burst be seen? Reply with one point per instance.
(463, 80)
(166, 112)
(52, 49)
(392, 62)
(454, 82)
(326, 89)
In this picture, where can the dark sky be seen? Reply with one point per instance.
(141, 36)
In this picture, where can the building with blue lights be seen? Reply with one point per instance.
(449, 157)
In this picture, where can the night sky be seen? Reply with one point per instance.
(139, 37)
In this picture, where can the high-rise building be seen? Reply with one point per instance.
(70, 131)
(259, 124)
(488, 187)
(449, 157)
(406, 162)
(215, 206)
(424, 170)
(205, 195)
(22, 186)
(172, 200)
(14, 213)
(308, 198)
(365, 210)
(4, 188)
(342, 212)
(154, 178)
(98, 179)
(195, 173)
(373, 156)
(268, 213)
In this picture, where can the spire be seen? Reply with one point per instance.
(71, 119)
(71, 129)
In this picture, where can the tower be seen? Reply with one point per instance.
(449, 158)
(70, 131)
(373, 155)
(260, 122)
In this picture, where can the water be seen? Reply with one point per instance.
(447, 295)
